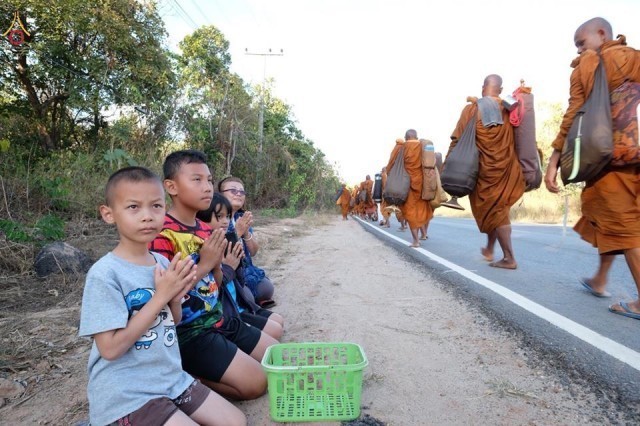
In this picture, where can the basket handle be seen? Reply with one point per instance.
(294, 368)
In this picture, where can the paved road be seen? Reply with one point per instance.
(542, 299)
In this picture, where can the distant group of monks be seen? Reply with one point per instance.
(610, 202)
(358, 200)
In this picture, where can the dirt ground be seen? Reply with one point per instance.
(433, 359)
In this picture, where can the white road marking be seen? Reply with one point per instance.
(606, 345)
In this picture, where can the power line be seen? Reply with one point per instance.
(202, 14)
(223, 13)
(185, 16)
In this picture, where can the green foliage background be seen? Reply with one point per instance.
(94, 88)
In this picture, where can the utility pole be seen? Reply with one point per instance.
(264, 55)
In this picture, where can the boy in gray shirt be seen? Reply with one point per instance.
(130, 306)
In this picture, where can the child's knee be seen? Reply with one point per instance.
(255, 388)
(236, 418)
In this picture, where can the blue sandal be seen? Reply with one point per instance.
(626, 312)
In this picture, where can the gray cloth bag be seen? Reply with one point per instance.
(396, 190)
(460, 169)
(589, 145)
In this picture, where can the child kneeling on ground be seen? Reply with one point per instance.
(130, 305)
(218, 216)
(216, 346)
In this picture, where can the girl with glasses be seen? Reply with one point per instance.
(241, 222)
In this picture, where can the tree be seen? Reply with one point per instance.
(209, 93)
(82, 57)
(548, 118)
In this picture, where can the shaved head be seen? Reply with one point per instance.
(596, 24)
(493, 80)
(592, 34)
(411, 135)
(492, 85)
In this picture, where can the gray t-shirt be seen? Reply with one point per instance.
(115, 290)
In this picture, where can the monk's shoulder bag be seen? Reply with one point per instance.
(396, 190)
(377, 188)
(460, 168)
(589, 144)
(524, 128)
(362, 195)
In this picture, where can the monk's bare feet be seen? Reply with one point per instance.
(487, 254)
(415, 245)
(505, 264)
(424, 237)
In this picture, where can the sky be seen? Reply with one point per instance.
(359, 73)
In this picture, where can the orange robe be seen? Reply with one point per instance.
(367, 185)
(383, 204)
(611, 203)
(356, 205)
(500, 181)
(343, 201)
(415, 210)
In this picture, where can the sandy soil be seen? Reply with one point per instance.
(433, 359)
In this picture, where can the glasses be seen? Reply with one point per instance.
(235, 191)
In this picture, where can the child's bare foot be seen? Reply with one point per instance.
(487, 254)
(505, 264)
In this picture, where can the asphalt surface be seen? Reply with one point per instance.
(542, 302)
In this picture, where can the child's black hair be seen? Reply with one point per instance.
(217, 202)
(175, 160)
(133, 174)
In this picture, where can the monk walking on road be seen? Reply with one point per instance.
(610, 210)
(368, 205)
(500, 181)
(416, 211)
(384, 211)
(344, 200)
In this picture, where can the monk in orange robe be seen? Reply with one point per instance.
(367, 185)
(368, 205)
(343, 201)
(387, 208)
(355, 209)
(500, 180)
(416, 211)
(610, 210)
(384, 210)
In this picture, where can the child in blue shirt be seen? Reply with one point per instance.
(130, 306)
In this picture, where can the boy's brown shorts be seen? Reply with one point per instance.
(159, 410)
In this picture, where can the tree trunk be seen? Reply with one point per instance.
(21, 72)
(49, 135)
(231, 151)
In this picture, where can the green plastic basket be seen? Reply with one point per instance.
(314, 381)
